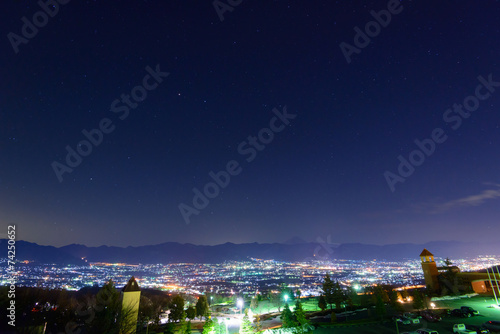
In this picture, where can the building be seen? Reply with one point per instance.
(131, 296)
(449, 278)
(431, 272)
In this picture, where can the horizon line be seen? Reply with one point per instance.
(247, 243)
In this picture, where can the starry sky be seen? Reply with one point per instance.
(315, 127)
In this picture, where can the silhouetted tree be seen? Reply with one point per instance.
(159, 302)
(191, 312)
(380, 306)
(300, 317)
(146, 312)
(287, 317)
(381, 291)
(418, 300)
(322, 303)
(328, 290)
(177, 309)
(202, 307)
(106, 310)
(338, 295)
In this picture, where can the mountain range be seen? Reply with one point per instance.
(172, 252)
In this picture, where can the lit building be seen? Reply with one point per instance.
(430, 270)
(449, 278)
(131, 295)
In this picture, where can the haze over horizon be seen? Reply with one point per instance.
(322, 243)
(264, 113)
(318, 241)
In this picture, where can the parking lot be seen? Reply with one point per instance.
(482, 304)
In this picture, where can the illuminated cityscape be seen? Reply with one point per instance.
(247, 278)
(250, 167)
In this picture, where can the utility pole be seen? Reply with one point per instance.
(494, 276)
(491, 284)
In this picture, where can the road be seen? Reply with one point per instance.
(482, 304)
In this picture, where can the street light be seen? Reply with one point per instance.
(286, 298)
(397, 327)
(239, 303)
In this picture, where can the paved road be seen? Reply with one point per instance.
(483, 305)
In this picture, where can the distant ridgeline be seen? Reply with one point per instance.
(172, 252)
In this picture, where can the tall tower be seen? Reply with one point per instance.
(131, 295)
(430, 270)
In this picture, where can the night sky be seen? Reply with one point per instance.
(313, 131)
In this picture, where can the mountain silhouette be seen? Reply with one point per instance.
(172, 252)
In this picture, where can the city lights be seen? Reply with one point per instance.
(243, 278)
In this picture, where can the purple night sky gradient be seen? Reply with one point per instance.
(323, 174)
